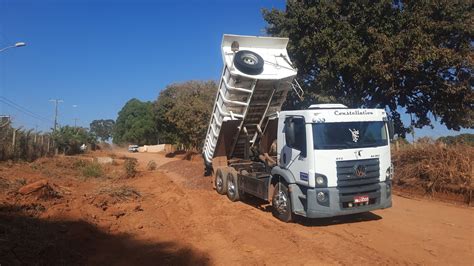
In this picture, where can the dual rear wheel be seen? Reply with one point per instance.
(226, 182)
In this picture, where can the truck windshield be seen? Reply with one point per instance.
(349, 135)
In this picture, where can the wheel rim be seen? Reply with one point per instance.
(250, 59)
(281, 202)
(231, 186)
(219, 183)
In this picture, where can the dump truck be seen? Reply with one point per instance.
(327, 160)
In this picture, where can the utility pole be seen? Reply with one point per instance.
(36, 132)
(56, 103)
(75, 119)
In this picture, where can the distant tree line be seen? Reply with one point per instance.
(180, 115)
(466, 138)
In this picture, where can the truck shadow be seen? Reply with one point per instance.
(27, 240)
(346, 219)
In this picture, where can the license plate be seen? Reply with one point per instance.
(361, 199)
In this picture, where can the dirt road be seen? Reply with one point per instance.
(179, 219)
(413, 231)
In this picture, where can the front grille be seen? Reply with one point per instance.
(346, 176)
(351, 185)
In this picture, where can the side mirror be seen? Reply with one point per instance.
(290, 133)
(391, 129)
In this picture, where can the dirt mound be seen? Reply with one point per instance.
(41, 189)
(110, 195)
(192, 173)
(436, 170)
(186, 155)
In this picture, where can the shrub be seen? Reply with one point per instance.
(151, 165)
(92, 170)
(79, 163)
(130, 167)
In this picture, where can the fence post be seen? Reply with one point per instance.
(13, 141)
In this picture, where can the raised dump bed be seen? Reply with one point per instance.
(256, 78)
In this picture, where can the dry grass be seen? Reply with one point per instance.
(121, 193)
(151, 165)
(92, 170)
(436, 168)
(130, 167)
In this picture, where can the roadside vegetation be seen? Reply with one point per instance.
(23, 144)
(435, 169)
(68, 140)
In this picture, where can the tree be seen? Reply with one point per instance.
(135, 124)
(69, 139)
(102, 128)
(412, 56)
(182, 112)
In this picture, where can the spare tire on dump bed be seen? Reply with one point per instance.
(248, 62)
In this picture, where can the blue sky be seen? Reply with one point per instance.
(99, 54)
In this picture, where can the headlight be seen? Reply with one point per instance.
(389, 173)
(321, 181)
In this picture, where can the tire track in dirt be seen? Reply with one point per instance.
(411, 232)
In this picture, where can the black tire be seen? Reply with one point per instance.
(281, 203)
(248, 62)
(232, 186)
(221, 181)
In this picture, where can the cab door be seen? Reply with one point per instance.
(294, 149)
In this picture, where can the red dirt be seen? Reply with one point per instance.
(172, 216)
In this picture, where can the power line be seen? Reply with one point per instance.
(23, 109)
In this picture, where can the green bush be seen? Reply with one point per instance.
(131, 167)
(92, 170)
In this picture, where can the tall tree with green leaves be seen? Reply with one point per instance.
(135, 124)
(183, 110)
(406, 56)
(102, 128)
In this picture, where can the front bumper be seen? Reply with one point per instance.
(305, 202)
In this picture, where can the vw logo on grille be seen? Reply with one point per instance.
(359, 170)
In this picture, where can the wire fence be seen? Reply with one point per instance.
(24, 144)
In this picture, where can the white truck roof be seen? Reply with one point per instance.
(337, 115)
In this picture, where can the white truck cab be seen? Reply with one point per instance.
(339, 159)
(325, 161)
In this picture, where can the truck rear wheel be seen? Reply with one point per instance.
(281, 203)
(232, 186)
(221, 181)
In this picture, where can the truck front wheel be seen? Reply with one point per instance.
(221, 181)
(281, 203)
